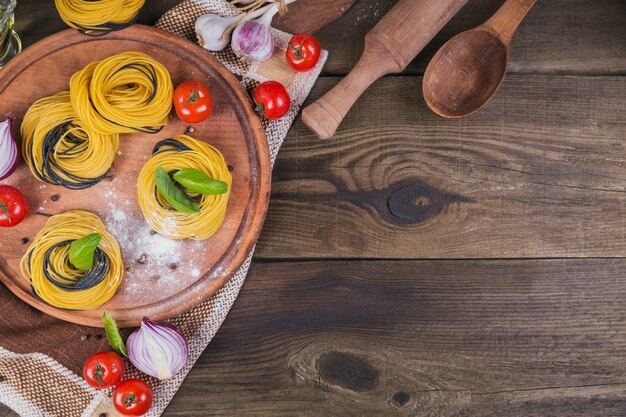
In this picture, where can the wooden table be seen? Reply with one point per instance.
(413, 266)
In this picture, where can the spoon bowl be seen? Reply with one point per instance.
(467, 71)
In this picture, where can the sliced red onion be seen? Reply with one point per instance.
(157, 349)
(8, 149)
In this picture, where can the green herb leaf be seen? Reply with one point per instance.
(113, 334)
(82, 250)
(199, 182)
(174, 196)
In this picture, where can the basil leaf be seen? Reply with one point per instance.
(199, 182)
(82, 250)
(172, 194)
(113, 334)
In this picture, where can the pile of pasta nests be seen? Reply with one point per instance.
(71, 139)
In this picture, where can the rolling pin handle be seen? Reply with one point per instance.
(325, 115)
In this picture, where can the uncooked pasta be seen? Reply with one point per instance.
(98, 17)
(61, 149)
(176, 154)
(71, 138)
(55, 280)
(125, 93)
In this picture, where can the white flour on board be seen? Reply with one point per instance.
(148, 256)
(150, 259)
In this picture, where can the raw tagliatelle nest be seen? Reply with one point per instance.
(47, 268)
(175, 154)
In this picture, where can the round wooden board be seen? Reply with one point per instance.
(187, 272)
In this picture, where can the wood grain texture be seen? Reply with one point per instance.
(521, 338)
(557, 36)
(514, 338)
(309, 16)
(427, 338)
(36, 20)
(389, 47)
(234, 129)
(467, 71)
(539, 172)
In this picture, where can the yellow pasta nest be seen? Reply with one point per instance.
(61, 149)
(175, 154)
(125, 93)
(98, 17)
(47, 268)
(71, 138)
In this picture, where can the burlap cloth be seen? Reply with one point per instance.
(41, 357)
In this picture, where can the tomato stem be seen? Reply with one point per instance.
(259, 109)
(193, 97)
(297, 52)
(99, 374)
(5, 211)
(129, 400)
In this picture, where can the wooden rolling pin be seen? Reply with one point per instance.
(389, 47)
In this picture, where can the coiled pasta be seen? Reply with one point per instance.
(125, 93)
(47, 268)
(61, 149)
(100, 16)
(175, 154)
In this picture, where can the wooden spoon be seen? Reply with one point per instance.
(467, 71)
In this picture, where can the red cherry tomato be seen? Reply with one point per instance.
(303, 52)
(103, 370)
(271, 99)
(13, 206)
(192, 102)
(132, 397)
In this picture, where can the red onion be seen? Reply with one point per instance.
(8, 149)
(157, 349)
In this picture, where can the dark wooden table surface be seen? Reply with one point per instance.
(413, 266)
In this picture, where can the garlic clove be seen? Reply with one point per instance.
(211, 31)
(253, 40)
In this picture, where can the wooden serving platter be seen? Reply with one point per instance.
(164, 278)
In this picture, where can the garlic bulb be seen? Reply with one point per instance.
(253, 39)
(212, 31)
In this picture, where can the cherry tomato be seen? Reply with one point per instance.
(104, 369)
(303, 52)
(13, 206)
(192, 102)
(271, 99)
(132, 397)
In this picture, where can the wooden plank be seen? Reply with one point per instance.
(6, 411)
(540, 172)
(35, 20)
(418, 338)
(519, 338)
(558, 36)
(573, 36)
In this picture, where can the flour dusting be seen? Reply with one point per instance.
(151, 260)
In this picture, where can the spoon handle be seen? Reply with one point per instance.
(507, 19)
